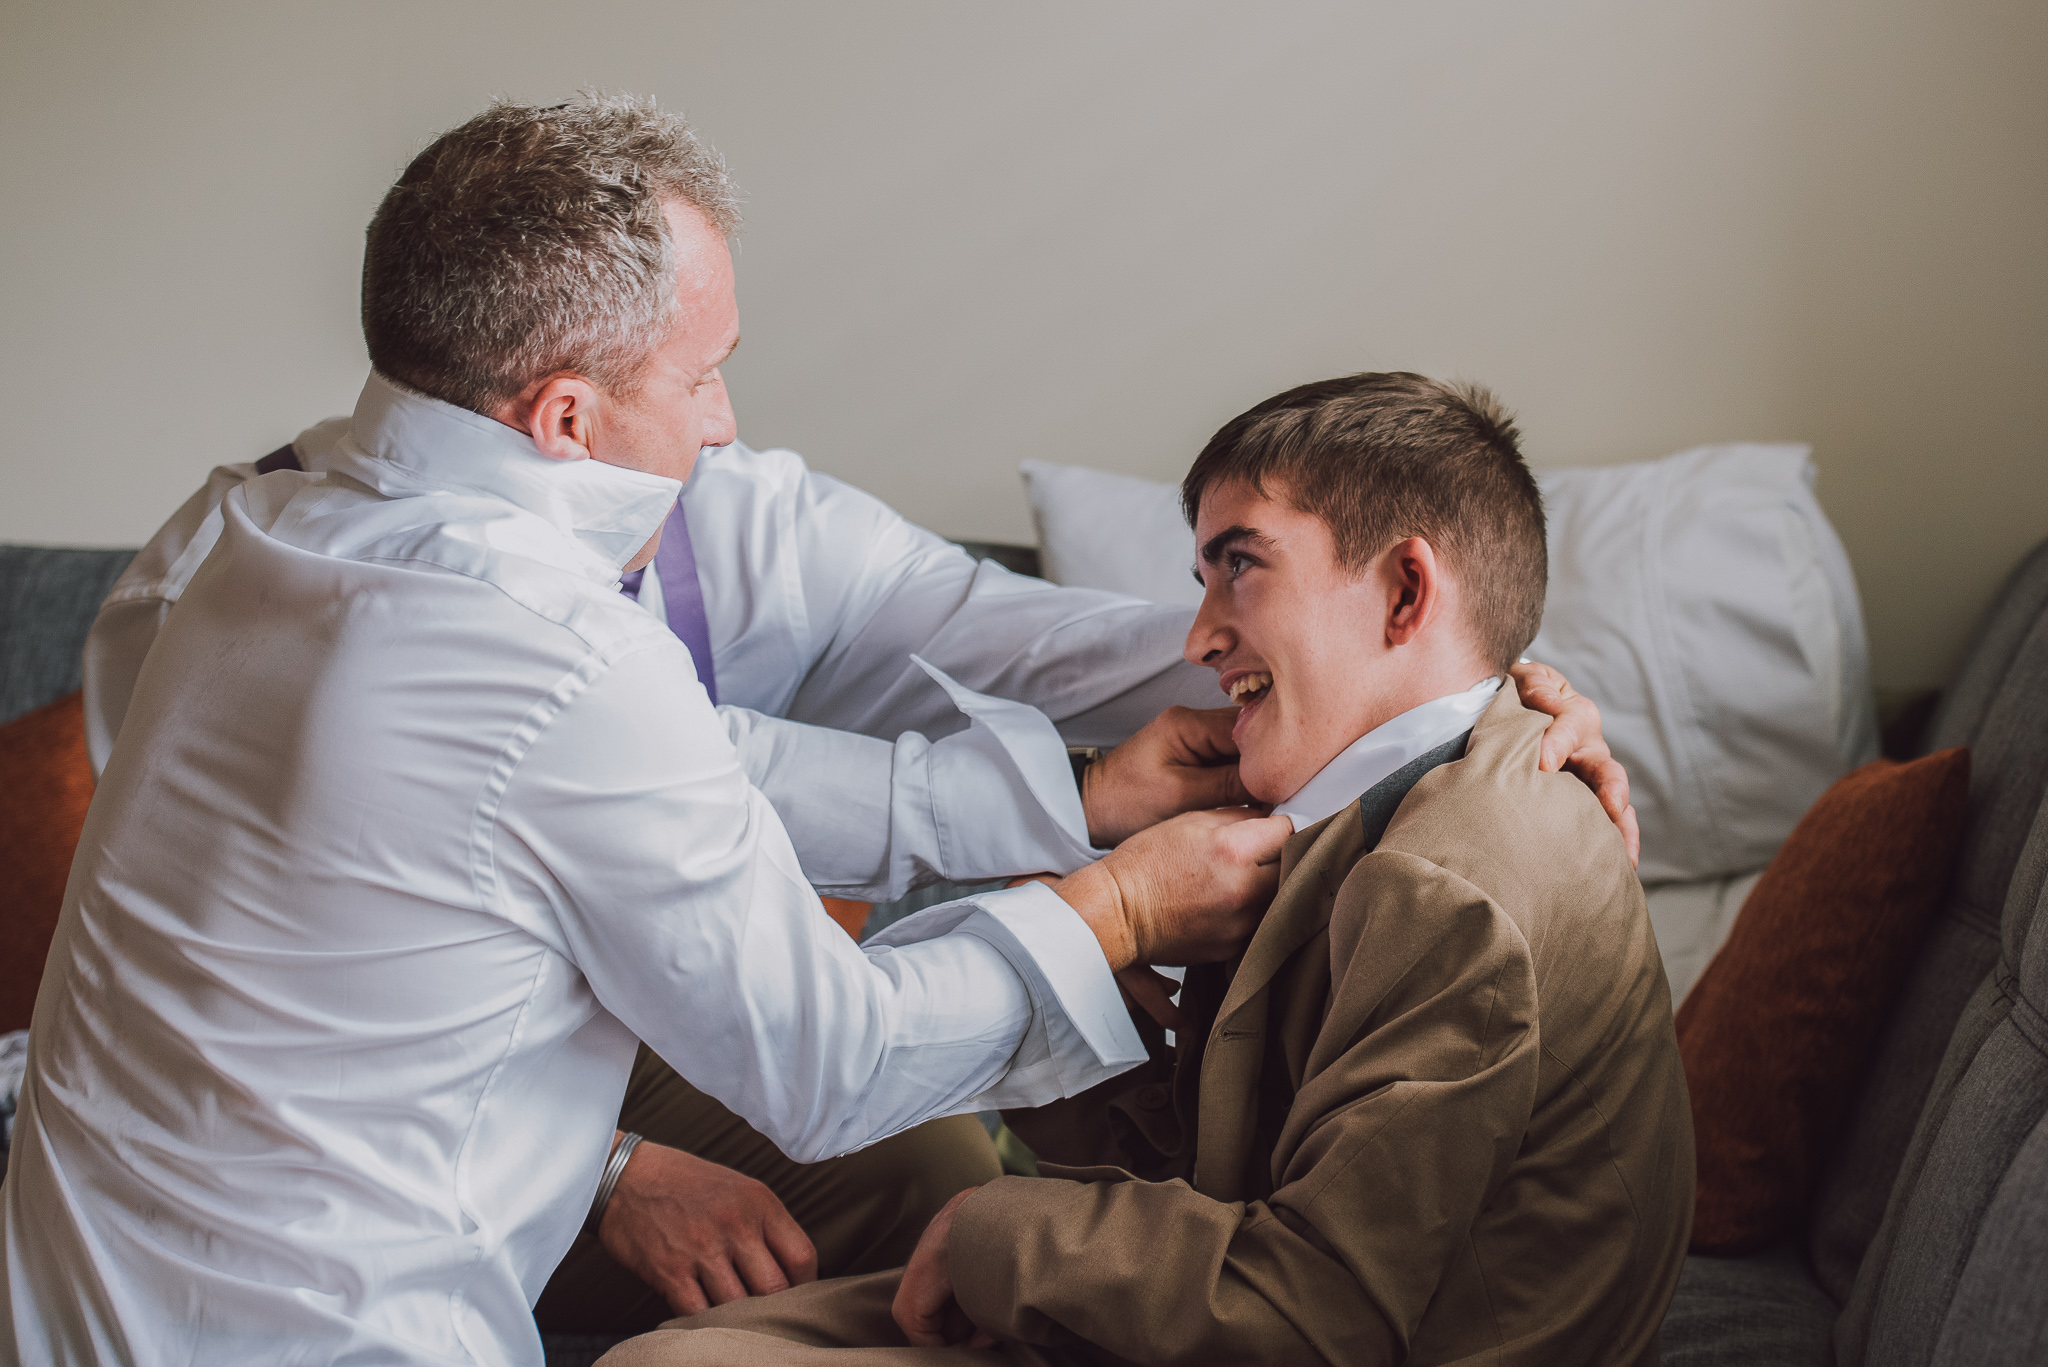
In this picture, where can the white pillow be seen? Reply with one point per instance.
(1097, 530)
(1703, 601)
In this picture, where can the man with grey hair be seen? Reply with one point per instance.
(414, 827)
(411, 823)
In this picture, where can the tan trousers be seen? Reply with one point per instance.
(864, 1212)
(844, 1323)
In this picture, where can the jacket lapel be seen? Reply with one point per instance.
(1313, 865)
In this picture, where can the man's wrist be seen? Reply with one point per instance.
(1086, 763)
(615, 1166)
(1093, 893)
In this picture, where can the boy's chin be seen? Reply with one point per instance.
(1263, 783)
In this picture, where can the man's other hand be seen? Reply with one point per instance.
(1187, 891)
(924, 1307)
(701, 1234)
(1573, 742)
(1182, 761)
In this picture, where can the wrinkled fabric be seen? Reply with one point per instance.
(412, 828)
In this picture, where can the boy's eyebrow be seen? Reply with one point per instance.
(1215, 546)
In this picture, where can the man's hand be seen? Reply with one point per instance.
(1573, 743)
(1187, 891)
(701, 1234)
(924, 1308)
(1182, 761)
(1147, 990)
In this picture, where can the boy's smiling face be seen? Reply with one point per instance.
(1318, 653)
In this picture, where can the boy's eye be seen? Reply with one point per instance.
(1236, 563)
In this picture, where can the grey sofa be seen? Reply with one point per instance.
(1927, 1242)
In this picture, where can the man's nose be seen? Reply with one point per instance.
(721, 427)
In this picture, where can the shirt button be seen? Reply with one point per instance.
(1152, 1097)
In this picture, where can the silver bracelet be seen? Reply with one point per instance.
(615, 1165)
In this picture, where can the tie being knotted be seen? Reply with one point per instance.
(675, 565)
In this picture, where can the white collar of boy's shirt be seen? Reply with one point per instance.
(402, 443)
(1382, 750)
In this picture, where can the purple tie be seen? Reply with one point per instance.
(682, 596)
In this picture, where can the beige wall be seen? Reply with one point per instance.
(1091, 232)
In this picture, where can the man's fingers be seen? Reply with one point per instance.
(792, 1248)
(1632, 836)
(1261, 837)
(759, 1268)
(1202, 734)
(720, 1282)
(685, 1297)
(1575, 726)
(1217, 785)
(1152, 991)
(1601, 772)
(1575, 721)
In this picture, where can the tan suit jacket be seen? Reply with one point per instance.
(1437, 1116)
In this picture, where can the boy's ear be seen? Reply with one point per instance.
(1415, 589)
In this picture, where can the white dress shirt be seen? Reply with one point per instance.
(1380, 751)
(412, 827)
(818, 596)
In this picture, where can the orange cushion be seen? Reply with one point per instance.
(45, 787)
(851, 916)
(1776, 1032)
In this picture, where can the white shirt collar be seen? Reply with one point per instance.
(404, 443)
(1382, 750)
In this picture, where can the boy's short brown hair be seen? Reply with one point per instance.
(1381, 457)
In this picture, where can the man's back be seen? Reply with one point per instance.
(414, 828)
(283, 1014)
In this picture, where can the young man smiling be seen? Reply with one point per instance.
(1434, 1112)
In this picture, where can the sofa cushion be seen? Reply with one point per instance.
(1776, 1032)
(45, 787)
(47, 601)
(1763, 1310)
(1988, 662)
(1999, 708)
(1999, 1317)
(1987, 1101)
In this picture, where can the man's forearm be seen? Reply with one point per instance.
(873, 819)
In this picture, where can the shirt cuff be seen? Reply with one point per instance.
(1080, 1033)
(1043, 813)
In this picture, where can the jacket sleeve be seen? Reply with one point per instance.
(1412, 1105)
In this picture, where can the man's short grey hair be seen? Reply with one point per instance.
(531, 241)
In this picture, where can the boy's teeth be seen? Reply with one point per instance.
(1244, 687)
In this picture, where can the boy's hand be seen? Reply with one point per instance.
(1573, 742)
(1187, 891)
(1183, 760)
(924, 1308)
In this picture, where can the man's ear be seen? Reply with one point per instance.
(559, 413)
(1415, 589)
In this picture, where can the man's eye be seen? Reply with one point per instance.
(1236, 563)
